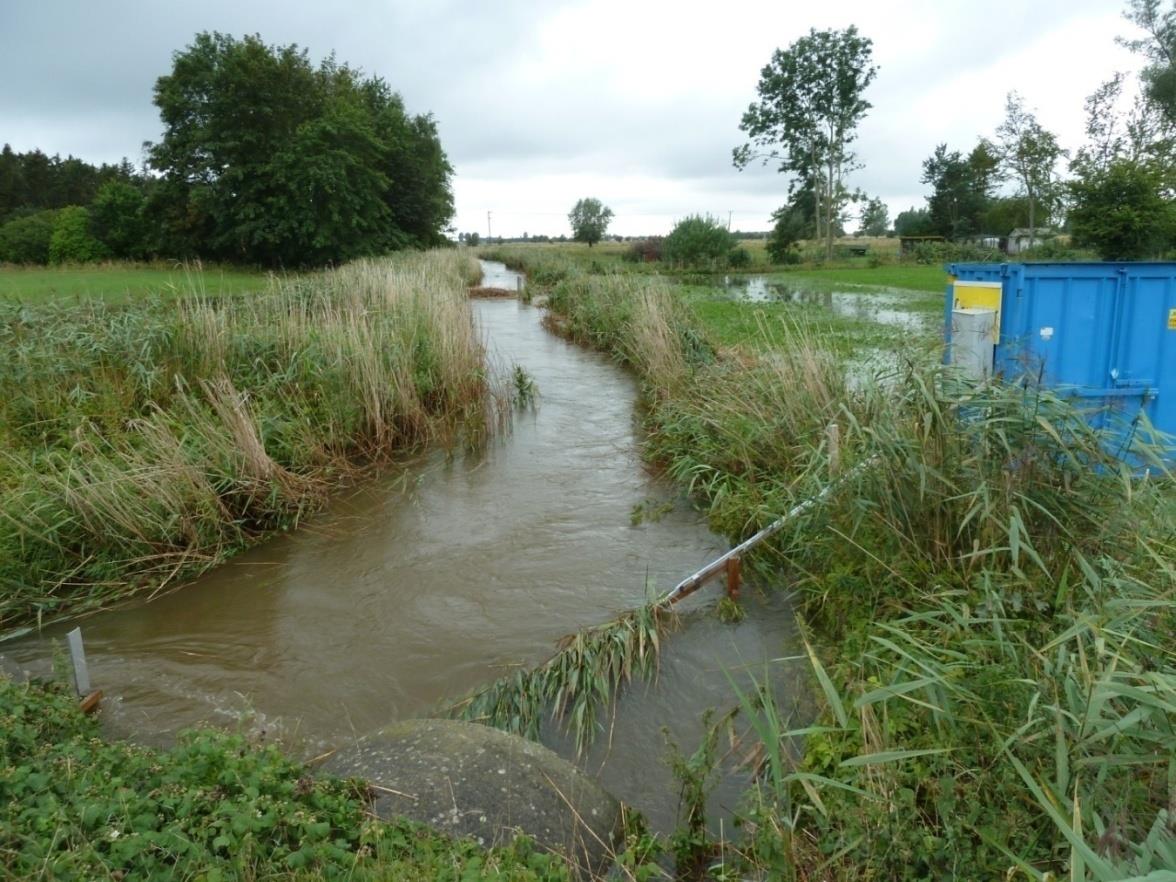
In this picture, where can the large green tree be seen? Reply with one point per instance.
(589, 219)
(1029, 153)
(1122, 211)
(811, 100)
(1158, 45)
(1124, 176)
(913, 222)
(961, 188)
(268, 158)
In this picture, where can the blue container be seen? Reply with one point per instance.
(1102, 332)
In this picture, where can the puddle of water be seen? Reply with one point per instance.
(427, 583)
(883, 307)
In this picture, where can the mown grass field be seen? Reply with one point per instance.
(120, 283)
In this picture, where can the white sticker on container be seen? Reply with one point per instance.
(1046, 333)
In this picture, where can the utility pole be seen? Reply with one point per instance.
(729, 213)
(489, 231)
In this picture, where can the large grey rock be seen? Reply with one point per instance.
(470, 780)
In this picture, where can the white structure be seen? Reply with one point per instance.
(973, 333)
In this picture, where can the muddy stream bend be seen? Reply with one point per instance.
(442, 575)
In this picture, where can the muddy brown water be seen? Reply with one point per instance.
(442, 575)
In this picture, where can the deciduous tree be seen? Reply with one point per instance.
(589, 219)
(875, 218)
(1121, 211)
(1030, 154)
(810, 104)
(268, 158)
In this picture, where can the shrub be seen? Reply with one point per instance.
(699, 241)
(790, 228)
(646, 250)
(116, 219)
(739, 258)
(26, 239)
(946, 252)
(72, 241)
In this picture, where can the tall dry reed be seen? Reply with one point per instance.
(142, 443)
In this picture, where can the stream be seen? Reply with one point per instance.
(443, 574)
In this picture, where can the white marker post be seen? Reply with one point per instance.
(77, 655)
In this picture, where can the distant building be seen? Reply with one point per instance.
(986, 240)
(1021, 239)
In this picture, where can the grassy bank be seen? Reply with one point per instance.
(145, 442)
(994, 597)
(548, 264)
(215, 807)
(120, 283)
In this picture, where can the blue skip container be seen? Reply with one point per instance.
(1101, 332)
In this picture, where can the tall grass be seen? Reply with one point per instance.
(994, 599)
(143, 443)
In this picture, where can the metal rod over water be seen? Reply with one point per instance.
(730, 562)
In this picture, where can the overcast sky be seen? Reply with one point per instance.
(539, 103)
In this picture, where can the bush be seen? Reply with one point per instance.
(790, 228)
(739, 258)
(945, 252)
(1056, 250)
(699, 241)
(646, 250)
(26, 239)
(117, 220)
(72, 241)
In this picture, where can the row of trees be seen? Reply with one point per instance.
(33, 181)
(265, 158)
(1119, 199)
(966, 199)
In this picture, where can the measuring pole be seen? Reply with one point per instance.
(77, 655)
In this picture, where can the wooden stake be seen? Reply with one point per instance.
(90, 702)
(734, 574)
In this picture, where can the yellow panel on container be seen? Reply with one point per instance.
(979, 295)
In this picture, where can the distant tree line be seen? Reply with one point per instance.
(42, 195)
(265, 159)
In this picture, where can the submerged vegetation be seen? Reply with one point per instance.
(146, 442)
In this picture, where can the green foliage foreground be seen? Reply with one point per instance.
(215, 807)
(996, 592)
